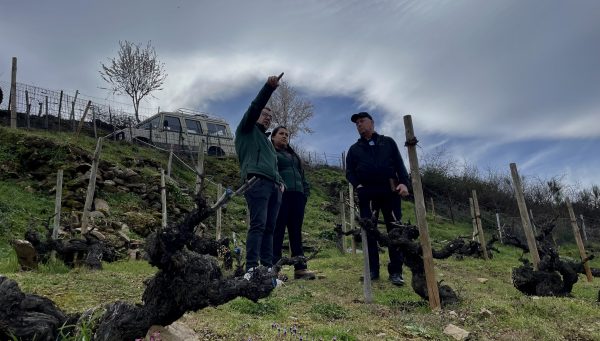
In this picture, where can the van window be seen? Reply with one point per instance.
(153, 124)
(172, 123)
(193, 127)
(216, 129)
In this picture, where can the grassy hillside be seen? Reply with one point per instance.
(332, 306)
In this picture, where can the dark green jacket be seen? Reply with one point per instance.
(292, 172)
(254, 150)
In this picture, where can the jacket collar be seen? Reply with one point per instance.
(374, 137)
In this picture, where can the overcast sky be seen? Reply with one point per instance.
(490, 82)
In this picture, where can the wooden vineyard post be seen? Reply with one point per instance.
(535, 256)
(583, 227)
(367, 290)
(89, 197)
(28, 108)
(94, 122)
(46, 115)
(432, 286)
(432, 209)
(351, 214)
(170, 162)
(57, 203)
(582, 253)
(199, 167)
(479, 226)
(73, 110)
(13, 94)
(343, 219)
(473, 221)
(163, 199)
(87, 108)
(219, 211)
(499, 227)
(59, 108)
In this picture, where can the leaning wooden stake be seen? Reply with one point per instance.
(582, 253)
(87, 108)
(57, 203)
(473, 221)
(13, 94)
(535, 256)
(479, 226)
(351, 214)
(89, 198)
(432, 286)
(163, 199)
(219, 212)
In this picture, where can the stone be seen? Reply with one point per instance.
(482, 280)
(98, 235)
(26, 254)
(176, 331)
(97, 215)
(485, 313)
(456, 332)
(102, 206)
(123, 236)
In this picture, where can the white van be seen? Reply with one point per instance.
(183, 129)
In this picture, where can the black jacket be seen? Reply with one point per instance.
(374, 166)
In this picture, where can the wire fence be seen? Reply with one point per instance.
(43, 108)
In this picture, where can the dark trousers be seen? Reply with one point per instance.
(389, 204)
(291, 214)
(263, 200)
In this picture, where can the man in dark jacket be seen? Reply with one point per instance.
(258, 159)
(376, 170)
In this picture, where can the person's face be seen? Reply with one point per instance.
(265, 117)
(281, 138)
(364, 125)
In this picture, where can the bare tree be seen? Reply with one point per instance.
(136, 72)
(291, 110)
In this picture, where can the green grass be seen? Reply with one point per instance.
(331, 306)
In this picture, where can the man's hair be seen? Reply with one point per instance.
(269, 110)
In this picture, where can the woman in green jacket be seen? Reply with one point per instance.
(293, 202)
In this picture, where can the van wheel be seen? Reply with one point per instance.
(215, 151)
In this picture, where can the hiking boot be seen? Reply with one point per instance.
(304, 274)
(397, 279)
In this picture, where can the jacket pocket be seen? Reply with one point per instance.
(257, 157)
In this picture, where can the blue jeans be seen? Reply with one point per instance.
(263, 199)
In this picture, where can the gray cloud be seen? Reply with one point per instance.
(489, 72)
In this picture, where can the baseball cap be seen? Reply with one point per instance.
(361, 114)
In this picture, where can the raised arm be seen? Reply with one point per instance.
(255, 108)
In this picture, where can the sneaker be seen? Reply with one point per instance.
(248, 274)
(304, 274)
(397, 279)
